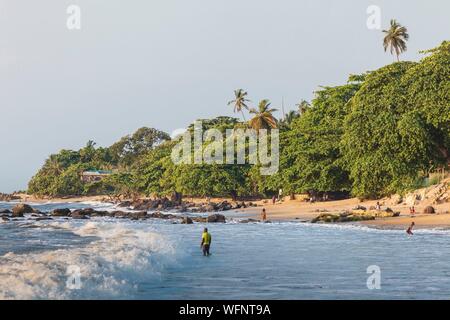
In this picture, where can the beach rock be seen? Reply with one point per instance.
(125, 204)
(216, 218)
(342, 217)
(89, 211)
(138, 215)
(5, 218)
(157, 214)
(5, 211)
(61, 212)
(248, 220)
(78, 214)
(360, 207)
(20, 209)
(187, 220)
(43, 218)
(95, 213)
(429, 210)
(8, 197)
(224, 206)
(119, 214)
(395, 199)
(211, 207)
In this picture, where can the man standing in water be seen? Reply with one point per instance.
(409, 231)
(206, 242)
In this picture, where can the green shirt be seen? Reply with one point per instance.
(206, 238)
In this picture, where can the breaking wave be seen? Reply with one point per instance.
(110, 265)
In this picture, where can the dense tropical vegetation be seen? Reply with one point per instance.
(380, 133)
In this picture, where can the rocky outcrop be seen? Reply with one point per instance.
(216, 218)
(187, 220)
(61, 212)
(341, 217)
(87, 213)
(165, 204)
(20, 209)
(8, 197)
(79, 214)
(429, 210)
(355, 215)
(248, 220)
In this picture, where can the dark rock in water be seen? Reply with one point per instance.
(248, 220)
(43, 218)
(138, 215)
(160, 215)
(216, 218)
(429, 210)
(78, 214)
(5, 218)
(125, 204)
(61, 212)
(96, 213)
(120, 214)
(88, 211)
(224, 206)
(5, 211)
(20, 209)
(211, 207)
(187, 220)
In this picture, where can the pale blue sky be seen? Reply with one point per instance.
(165, 63)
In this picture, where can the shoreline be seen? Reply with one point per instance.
(300, 211)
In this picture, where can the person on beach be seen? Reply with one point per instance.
(206, 242)
(409, 231)
(274, 199)
(280, 194)
(263, 215)
(412, 211)
(378, 206)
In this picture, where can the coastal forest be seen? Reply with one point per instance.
(382, 132)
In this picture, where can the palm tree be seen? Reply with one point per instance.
(289, 118)
(263, 118)
(395, 38)
(240, 101)
(302, 106)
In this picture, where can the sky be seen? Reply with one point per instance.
(165, 63)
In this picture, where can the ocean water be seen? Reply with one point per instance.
(156, 259)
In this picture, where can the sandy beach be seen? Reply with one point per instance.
(304, 211)
(297, 210)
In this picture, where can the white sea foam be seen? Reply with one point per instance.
(110, 265)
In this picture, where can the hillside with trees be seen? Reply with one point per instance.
(382, 132)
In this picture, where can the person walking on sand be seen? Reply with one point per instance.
(274, 199)
(280, 194)
(263, 215)
(412, 211)
(206, 242)
(409, 230)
